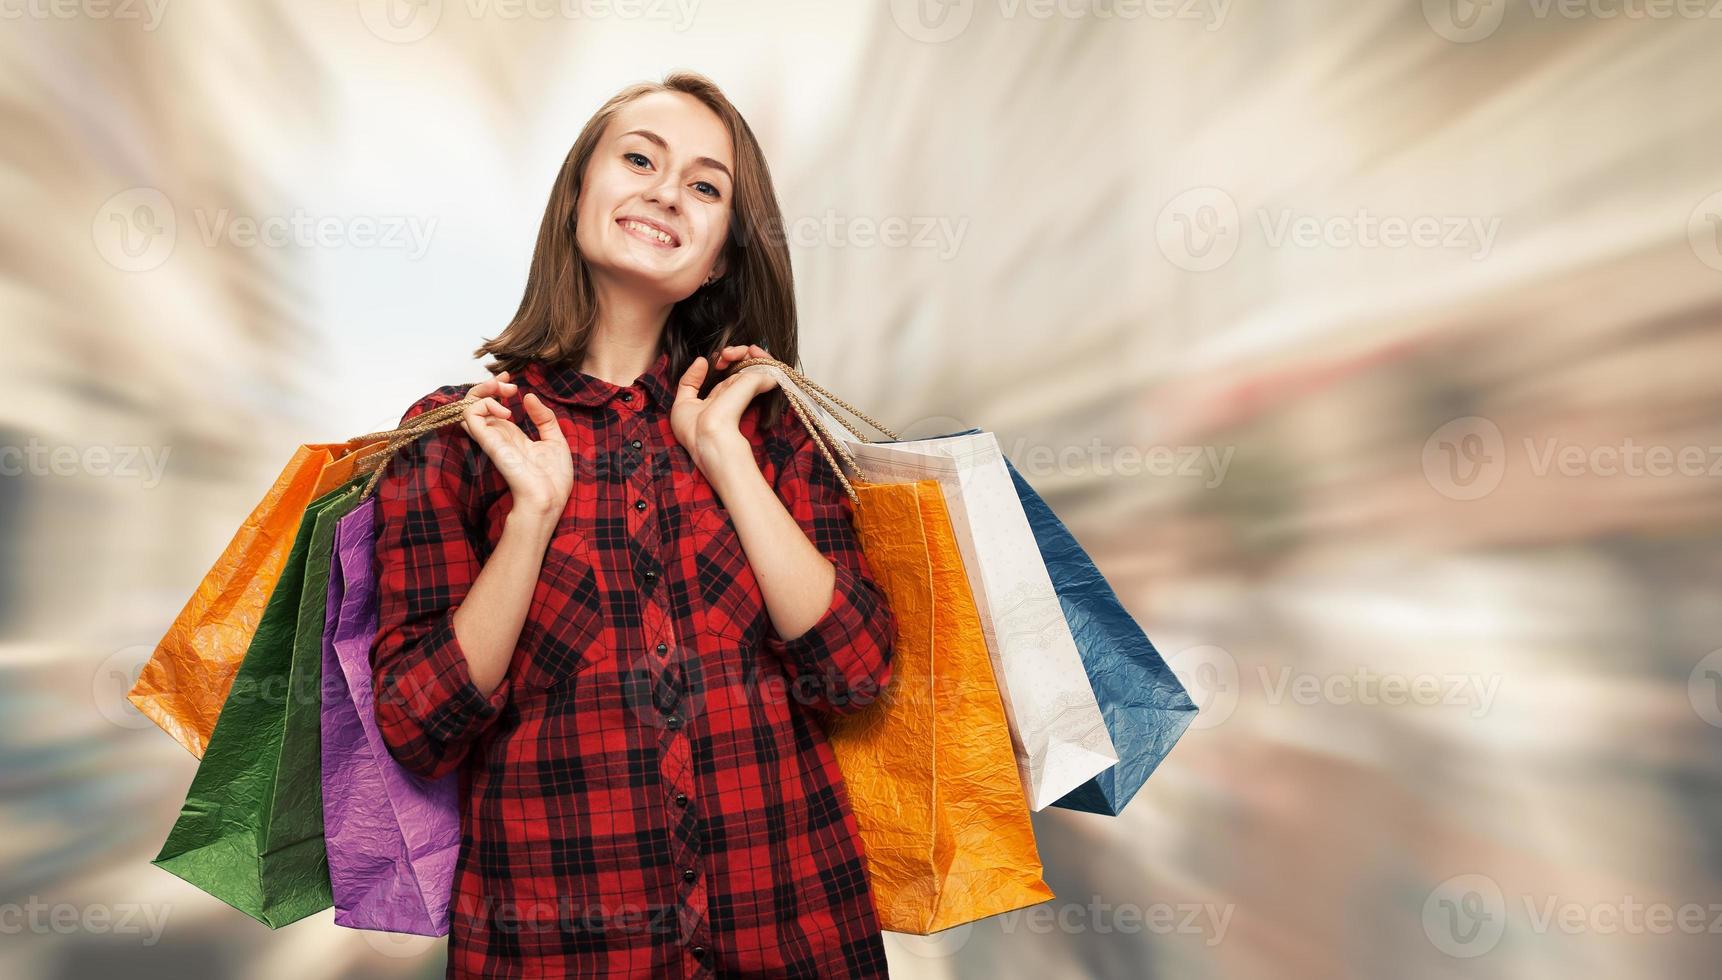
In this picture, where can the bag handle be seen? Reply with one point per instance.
(377, 460)
(812, 404)
(812, 390)
(809, 401)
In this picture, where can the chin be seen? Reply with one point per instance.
(673, 285)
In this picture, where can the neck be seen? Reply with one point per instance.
(625, 338)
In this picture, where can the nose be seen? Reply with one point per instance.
(665, 191)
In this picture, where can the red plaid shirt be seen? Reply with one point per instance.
(649, 791)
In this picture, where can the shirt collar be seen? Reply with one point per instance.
(566, 383)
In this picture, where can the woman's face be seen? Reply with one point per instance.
(665, 163)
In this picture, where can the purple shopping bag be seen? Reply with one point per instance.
(392, 836)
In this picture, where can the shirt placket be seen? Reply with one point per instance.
(667, 714)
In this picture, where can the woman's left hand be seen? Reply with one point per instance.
(709, 428)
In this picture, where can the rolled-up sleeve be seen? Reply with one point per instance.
(843, 662)
(428, 542)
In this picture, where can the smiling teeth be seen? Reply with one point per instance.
(648, 229)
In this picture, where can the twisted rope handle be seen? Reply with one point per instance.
(376, 461)
(804, 390)
(820, 440)
(813, 390)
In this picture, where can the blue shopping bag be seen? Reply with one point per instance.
(1145, 707)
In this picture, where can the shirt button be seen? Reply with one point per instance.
(639, 505)
(635, 444)
(681, 799)
(699, 952)
(650, 574)
(672, 723)
(663, 648)
(688, 874)
(627, 396)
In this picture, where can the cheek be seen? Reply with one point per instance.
(590, 217)
(715, 234)
(597, 199)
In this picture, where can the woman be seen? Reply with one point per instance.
(621, 633)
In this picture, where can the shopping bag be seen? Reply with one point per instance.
(251, 829)
(1145, 707)
(932, 777)
(1057, 729)
(184, 683)
(392, 836)
(928, 768)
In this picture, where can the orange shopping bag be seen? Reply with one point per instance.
(930, 770)
(186, 680)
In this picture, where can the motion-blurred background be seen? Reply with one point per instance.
(1370, 347)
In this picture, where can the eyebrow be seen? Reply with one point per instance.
(655, 138)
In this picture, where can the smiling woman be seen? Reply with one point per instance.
(597, 628)
(664, 201)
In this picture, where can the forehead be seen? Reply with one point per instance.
(690, 127)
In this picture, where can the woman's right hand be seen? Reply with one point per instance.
(540, 472)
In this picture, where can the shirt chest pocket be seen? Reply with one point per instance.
(730, 600)
(565, 631)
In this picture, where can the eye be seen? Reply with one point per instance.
(630, 155)
(712, 190)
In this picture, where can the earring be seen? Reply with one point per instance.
(710, 279)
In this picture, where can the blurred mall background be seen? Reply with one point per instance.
(1370, 347)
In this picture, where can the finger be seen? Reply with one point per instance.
(731, 395)
(688, 389)
(494, 408)
(503, 442)
(493, 387)
(549, 430)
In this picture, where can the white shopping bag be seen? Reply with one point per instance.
(1056, 726)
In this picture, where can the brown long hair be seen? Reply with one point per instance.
(753, 302)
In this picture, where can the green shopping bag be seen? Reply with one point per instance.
(251, 830)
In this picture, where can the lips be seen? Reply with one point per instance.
(647, 230)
